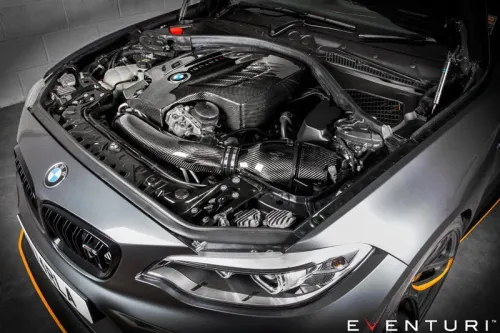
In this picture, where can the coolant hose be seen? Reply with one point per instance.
(274, 161)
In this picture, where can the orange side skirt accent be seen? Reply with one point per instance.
(480, 220)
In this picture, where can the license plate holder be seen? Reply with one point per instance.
(74, 298)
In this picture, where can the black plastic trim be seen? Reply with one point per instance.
(32, 198)
(147, 205)
(69, 254)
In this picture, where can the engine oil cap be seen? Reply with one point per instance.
(206, 111)
(181, 194)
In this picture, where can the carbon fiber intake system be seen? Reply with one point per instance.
(277, 162)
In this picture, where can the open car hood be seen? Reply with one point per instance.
(425, 17)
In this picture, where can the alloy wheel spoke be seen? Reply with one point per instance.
(440, 263)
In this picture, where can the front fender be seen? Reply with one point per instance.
(426, 190)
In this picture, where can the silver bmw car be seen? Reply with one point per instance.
(262, 166)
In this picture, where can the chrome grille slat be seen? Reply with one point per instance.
(74, 241)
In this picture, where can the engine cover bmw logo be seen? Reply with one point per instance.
(55, 175)
(180, 77)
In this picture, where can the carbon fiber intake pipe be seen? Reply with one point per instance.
(280, 162)
(276, 162)
(169, 148)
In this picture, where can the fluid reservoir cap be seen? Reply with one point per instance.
(205, 112)
(144, 64)
(176, 30)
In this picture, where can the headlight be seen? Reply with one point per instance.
(268, 279)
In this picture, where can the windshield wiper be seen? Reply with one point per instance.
(291, 12)
(395, 38)
(282, 28)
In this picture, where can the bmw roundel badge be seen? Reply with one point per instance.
(180, 77)
(55, 175)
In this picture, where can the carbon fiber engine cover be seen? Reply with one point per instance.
(247, 87)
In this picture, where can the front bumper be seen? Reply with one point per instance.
(137, 306)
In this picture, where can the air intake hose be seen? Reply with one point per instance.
(274, 161)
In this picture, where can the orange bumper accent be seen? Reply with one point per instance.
(35, 285)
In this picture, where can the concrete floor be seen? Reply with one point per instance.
(470, 292)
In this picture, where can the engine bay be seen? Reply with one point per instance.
(232, 136)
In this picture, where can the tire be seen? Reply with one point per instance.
(419, 290)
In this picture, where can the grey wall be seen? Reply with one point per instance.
(36, 34)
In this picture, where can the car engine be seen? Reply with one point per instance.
(223, 137)
(247, 87)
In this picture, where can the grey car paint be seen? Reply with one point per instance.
(370, 287)
(402, 210)
(363, 294)
(90, 196)
(143, 241)
(399, 213)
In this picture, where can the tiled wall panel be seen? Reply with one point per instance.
(36, 34)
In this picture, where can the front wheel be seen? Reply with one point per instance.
(426, 283)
